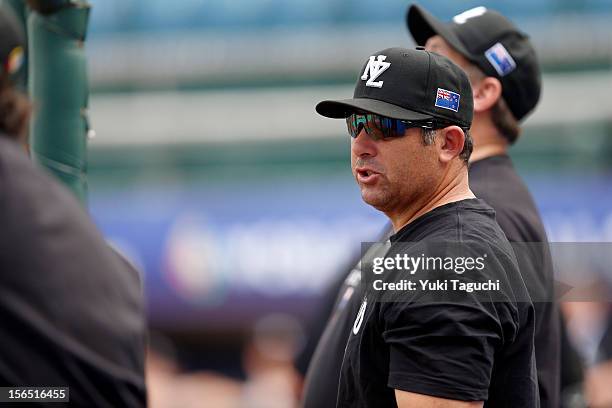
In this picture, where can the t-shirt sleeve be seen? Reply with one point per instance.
(444, 350)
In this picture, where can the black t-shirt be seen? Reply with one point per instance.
(71, 308)
(495, 180)
(471, 349)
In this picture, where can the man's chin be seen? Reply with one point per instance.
(374, 200)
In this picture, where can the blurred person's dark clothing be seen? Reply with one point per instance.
(316, 325)
(335, 301)
(71, 308)
(321, 384)
(572, 366)
(572, 372)
(604, 352)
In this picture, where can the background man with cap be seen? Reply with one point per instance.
(505, 77)
(409, 121)
(71, 308)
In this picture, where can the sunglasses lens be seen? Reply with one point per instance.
(377, 127)
(388, 127)
(354, 124)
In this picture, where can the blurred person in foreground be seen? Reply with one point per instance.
(503, 96)
(71, 307)
(410, 145)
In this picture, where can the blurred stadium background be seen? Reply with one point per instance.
(212, 171)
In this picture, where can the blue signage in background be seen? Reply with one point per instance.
(575, 206)
(243, 250)
(223, 255)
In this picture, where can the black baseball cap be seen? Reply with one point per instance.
(408, 84)
(492, 43)
(12, 41)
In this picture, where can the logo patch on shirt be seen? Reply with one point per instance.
(375, 67)
(501, 59)
(360, 315)
(447, 100)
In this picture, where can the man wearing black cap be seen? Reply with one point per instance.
(409, 121)
(505, 77)
(71, 308)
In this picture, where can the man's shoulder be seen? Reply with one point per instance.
(19, 174)
(475, 221)
(11, 155)
(30, 196)
(496, 178)
(74, 263)
(448, 222)
(495, 181)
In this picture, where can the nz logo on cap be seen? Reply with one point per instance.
(375, 67)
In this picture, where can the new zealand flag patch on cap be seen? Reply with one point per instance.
(501, 59)
(447, 100)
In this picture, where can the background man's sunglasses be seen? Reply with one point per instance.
(380, 127)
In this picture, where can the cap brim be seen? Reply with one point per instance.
(344, 108)
(422, 26)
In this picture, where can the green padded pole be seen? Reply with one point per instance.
(19, 8)
(58, 87)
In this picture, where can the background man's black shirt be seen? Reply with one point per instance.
(71, 308)
(471, 350)
(495, 180)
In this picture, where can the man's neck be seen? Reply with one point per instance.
(456, 190)
(484, 151)
(487, 140)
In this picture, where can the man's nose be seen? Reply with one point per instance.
(363, 144)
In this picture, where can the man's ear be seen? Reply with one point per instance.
(452, 139)
(486, 94)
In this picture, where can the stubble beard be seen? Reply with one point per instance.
(379, 197)
(391, 198)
